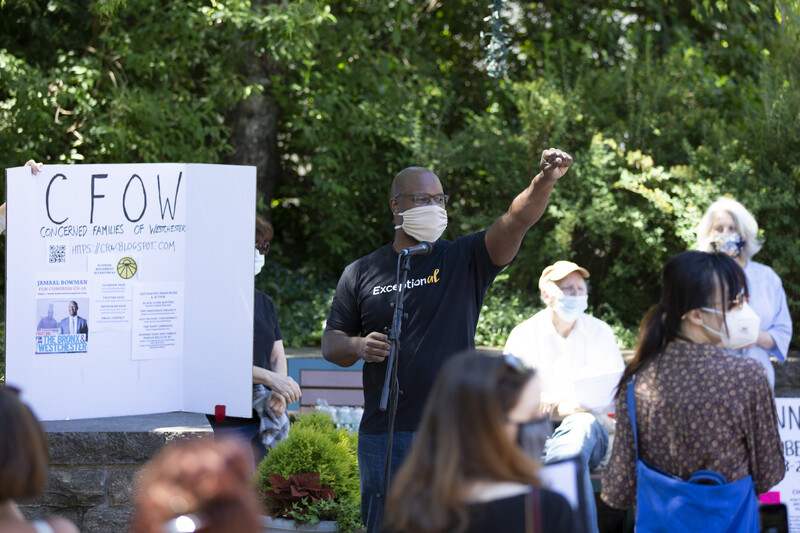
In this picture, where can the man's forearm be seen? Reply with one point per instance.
(505, 235)
(528, 207)
(339, 348)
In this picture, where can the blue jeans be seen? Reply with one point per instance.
(247, 434)
(371, 465)
(580, 435)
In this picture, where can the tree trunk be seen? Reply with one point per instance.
(254, 122)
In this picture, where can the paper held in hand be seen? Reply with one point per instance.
(597, 392)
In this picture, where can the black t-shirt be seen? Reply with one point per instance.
(265, 332)
(443, 297)
(508, 515)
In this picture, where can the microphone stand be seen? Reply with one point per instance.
(391, 386)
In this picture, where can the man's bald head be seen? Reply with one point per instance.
(412, 180)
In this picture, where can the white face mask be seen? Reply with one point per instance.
(424, 223)
(570, 307)
(740, 328)
(259, 262)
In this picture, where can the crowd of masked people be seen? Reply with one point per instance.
(686, 432)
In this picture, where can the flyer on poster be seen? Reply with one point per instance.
(62, 308)
(157, 330)
(111, 295)
(787, 491)
(114, 264)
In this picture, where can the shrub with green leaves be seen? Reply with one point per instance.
(302, 299)
(346, 516)
(315, 444)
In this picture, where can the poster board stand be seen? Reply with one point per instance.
(130, 288)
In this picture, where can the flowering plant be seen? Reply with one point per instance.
(294, 494)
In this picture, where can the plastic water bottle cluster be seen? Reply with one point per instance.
(344, 417)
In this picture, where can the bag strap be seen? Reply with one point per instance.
(537, 512)
(528, 511)
(632, 413)
(708, 477)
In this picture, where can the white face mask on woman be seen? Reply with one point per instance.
(424, 223)
(740, 328)
(259, 262)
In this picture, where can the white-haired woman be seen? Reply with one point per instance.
(727, 226)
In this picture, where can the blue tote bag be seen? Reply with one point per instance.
(706, 502)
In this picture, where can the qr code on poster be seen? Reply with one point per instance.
(58, 253)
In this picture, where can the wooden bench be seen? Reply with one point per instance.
(337, 387)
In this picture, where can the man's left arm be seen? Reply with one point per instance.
(504, 236)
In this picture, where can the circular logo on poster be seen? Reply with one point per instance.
(126, 268)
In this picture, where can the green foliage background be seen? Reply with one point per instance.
(664, 106)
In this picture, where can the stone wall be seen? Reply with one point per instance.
(94, 461)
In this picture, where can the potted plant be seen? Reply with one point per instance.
(311, 478)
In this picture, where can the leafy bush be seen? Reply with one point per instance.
(347, 516)
(315, 445)
(502, 311)
(302, 299)
(295, 493)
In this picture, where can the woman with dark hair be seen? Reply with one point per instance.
(200, 485)
(24, 461)
(465, 471)
(697, 407)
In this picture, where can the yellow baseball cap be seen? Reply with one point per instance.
(560, 270)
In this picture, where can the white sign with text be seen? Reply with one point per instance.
(130, 288)
(788, 490)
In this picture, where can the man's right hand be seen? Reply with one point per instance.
(555, 163)
(374, 348)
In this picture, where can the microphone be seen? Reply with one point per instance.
(423, 248)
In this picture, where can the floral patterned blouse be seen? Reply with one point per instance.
(697, 408)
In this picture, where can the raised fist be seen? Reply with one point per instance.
(555, 163)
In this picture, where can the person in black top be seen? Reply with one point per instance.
(269, 359)
(442, 299)
(466, 471)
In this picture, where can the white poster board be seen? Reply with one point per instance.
(788, 490)
(130, 288)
